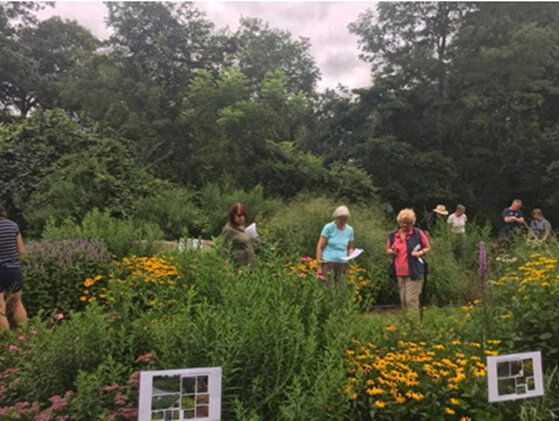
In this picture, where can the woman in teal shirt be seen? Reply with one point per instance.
(335, 242)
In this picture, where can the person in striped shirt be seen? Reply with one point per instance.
(11, 277)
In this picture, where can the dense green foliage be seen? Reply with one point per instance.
(290, 348)
(462, 108)
(151, 134)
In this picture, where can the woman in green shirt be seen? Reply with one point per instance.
(239, 242)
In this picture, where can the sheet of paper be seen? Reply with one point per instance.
(353, 255)
(251, 230)
(515, 376)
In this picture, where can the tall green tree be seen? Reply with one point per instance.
(260, 49)
(17, 72)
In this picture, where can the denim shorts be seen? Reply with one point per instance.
(11, 278)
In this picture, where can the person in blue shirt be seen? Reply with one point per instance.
(335, 242)
(540, 228)
(512, 218)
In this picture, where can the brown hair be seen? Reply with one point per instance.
(537, 211)
(234, 209)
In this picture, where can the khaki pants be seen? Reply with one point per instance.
(409, 292)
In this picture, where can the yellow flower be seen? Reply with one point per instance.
(465, 419)
(374, 391)
(450, 411)
(380, 404)
(391, 328)
(399, 398)
(82, 298)
(454, 401)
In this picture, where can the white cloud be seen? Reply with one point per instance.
(324, 23)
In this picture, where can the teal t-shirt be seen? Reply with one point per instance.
(336, 247)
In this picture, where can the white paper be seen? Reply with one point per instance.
(353, 255)
(182, 402)
(515, 376)
(251, 230)
(417, 248)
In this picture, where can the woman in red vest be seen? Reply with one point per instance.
(408, 246)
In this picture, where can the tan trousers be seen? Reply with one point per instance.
(409, 292)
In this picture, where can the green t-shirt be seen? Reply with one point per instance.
(240, 243)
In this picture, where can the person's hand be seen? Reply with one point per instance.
(521, 220)
(417, 253)
(392, 251)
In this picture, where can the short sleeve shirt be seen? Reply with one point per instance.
(9, 230)
(401, 262)
(509, 226)
(540, 227)
(337, 242)
(457, 223)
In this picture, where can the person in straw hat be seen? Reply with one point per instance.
(430, 220)
(335, 242)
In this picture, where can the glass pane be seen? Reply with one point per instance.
(202, 399)
(165, 402)
(202, 411)
(202, 384)
(188, 385)
(166, 384)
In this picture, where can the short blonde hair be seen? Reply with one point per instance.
(341, 211)
(406, 214)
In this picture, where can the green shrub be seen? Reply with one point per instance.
(278, 338)
(295, 230)
(521, 308)
(55, 269)
(214, 201)
(121, 236)
(174, 209)
(78, 344)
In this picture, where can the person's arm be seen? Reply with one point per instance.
(350, 243)
(319, 247)
(350, 248)
(19, 246)
(426, 246)
(390, 248)
(547, 231)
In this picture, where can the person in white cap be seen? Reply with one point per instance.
(335, 242)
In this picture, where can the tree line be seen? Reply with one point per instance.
(462, 107)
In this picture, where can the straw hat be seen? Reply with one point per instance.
(441, 210)
(341, 211)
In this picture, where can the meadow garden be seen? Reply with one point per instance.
(111, 149)
(106, 306)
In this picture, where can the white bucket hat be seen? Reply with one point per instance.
(341, 211)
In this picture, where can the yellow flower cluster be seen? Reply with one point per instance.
(88, 294)
(356, 276)
(410, 372)
(135, 271)
(539, 275)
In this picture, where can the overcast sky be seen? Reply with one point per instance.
(324, 23)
